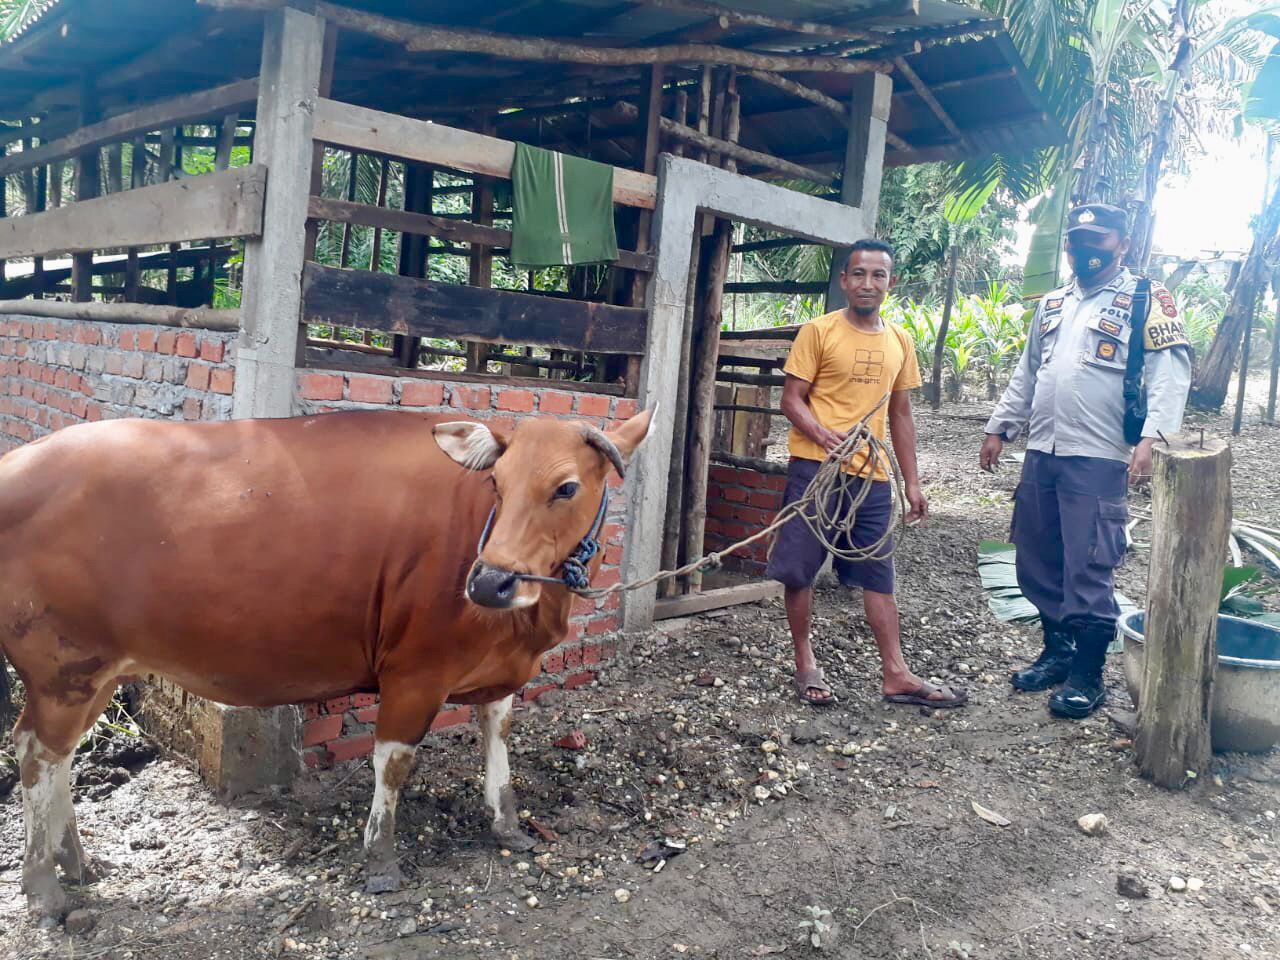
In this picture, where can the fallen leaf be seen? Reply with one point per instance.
(545, 832)
(989, 815)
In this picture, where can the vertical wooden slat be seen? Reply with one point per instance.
(419, 187)
(56, 174)
(170, 163)
(221, 161)
(42, 196)
(4, 201)
(115, 168)
(481, 265)
(353, 169)
(375, 258)
(137, 178)
(651, 105)
(88, 173)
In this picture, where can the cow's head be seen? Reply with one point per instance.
(549, 477)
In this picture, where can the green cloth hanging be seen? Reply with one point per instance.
(562, 211)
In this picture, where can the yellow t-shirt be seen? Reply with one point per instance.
(849, 372)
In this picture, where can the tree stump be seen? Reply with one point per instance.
(1191, 520)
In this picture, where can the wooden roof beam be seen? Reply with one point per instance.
(728, 16)
(927, 96)
(421, 37)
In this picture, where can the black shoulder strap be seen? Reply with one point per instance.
(1137, 329)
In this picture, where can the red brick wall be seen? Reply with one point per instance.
(343, 728)
(740, 502)
(54, 373)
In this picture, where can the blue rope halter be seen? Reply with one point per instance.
(573, 570)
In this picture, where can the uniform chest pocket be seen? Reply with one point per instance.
(1106, 344)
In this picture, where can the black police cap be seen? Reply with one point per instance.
(1097, 219)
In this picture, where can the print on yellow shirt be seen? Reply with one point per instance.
(849, 371)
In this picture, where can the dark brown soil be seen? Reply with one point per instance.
(863, 810)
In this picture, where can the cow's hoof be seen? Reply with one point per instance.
(512, 838)
(383, 879)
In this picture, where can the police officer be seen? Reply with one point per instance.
(1070, 510)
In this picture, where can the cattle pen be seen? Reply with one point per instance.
(175, 158)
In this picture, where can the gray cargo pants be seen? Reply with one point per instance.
(1069, 518)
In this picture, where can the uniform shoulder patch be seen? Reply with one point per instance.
(1163, 297)
(1052, 304)
(1161, 333)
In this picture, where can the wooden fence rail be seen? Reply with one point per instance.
(366, 300)
(391, 135)
(224, 204)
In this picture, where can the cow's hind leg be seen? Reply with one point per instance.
(495, 726)
(45, 738)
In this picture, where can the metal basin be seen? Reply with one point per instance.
(1245, 713)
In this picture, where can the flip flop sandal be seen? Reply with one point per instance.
(920, 697)
(807, 680)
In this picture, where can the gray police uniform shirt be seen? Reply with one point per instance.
(1069, 383)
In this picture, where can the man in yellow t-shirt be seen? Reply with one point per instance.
(841, 366)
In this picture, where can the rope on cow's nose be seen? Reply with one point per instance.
(828, 507)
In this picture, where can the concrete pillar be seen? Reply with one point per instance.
(863, 164)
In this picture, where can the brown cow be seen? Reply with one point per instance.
(266, 562)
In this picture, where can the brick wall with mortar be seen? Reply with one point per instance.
(54, 373)
(342, 728)
(740, 502)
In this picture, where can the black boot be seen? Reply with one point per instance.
(1084, 692)
(1053, 663)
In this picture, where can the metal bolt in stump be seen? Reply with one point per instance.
(1191, 521)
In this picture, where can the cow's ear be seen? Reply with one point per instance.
(630, 434)
(473, 445)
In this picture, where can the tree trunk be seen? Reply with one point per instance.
(1213, 376)
(1161, 133)
(1191, 510)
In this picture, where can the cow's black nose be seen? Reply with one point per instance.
(492, 586)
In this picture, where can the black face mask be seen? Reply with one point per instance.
(1090, 260)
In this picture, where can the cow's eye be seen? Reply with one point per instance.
(566, 491)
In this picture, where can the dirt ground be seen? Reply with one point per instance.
(762, 813)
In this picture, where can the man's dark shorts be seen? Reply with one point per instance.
(797, 555)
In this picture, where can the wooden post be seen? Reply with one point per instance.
(4, 200)
(269, 344)
(37, 263)
(328, 56)
(702, 387)
(171, 164)
(1191, 520)
(88, 175)
(940, 345)
(651, 103)
(863, 163)
(226, 142)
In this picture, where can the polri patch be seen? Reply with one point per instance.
(1110, 326)
(1054, 303)
(1123, 301)
(1106, 350)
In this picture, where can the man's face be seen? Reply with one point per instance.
(1090, 253)
(866, 278)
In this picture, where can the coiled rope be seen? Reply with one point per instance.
(828, 507)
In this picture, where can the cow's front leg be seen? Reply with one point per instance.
(404, 716)
(392, 764)
(495, 725)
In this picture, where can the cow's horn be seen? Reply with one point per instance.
(596, 438)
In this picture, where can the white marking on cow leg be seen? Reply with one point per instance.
(495, 725)
(392, 763)
(44, 815)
